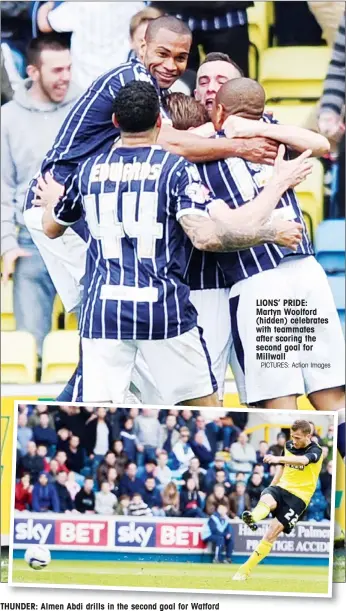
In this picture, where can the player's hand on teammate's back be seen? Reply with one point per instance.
(48, 191)
(288, 233)
(291, 173)
(258, 150)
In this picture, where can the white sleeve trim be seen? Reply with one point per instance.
(194, 211)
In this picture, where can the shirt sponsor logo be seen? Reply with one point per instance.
(72, 532)
(135, 534)
(34, 531)
(180, 536)
(299, 467)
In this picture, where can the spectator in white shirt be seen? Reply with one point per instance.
(105, 500)
(243, 455)
(98, 434)
(182, 451)
(201, 428)
(162, 472)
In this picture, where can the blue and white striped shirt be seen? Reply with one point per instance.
(237, 182)
(132, 199)
(231, 19)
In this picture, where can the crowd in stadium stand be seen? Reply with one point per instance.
(145, 462)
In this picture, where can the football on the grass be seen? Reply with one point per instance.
(37, 557)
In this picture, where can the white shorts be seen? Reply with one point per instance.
(212, 306)
(64, 258)
(302, 372)
(180, 367)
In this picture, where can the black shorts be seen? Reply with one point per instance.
(289, 507)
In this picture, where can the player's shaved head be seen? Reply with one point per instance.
(241, 96)
(167, 22)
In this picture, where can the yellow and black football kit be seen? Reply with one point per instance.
(297, 485)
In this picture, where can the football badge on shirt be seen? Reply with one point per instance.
(197, 192)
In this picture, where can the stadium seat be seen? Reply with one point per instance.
(330, 246)
(62, 319)
(337, 284)
(259, 20)
(18, 357)
(289, 73)
(311, 199)
(8, 321)
(291, 114)
(60, 356)
(70, 321)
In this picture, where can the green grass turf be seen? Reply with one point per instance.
(339, 567)
(4, 565)
(175, 575)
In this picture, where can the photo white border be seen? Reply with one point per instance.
(309, 414)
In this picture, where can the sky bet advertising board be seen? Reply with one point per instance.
(159, 535)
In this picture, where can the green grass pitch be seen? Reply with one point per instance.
(189, 576)
(339, 567)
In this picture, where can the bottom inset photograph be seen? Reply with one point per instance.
(172, 499)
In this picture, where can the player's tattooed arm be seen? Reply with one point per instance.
(226, 234)
(251, 225)
(208, 234)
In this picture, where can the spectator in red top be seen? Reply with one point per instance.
(61, 457)
(23, 494)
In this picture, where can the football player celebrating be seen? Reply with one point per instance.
(138, 200)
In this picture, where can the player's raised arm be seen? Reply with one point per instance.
(247, 226)
(293, 136)
(198, 149)
(286, 460)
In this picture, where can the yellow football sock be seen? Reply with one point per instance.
(261, 511)
(262, 550)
